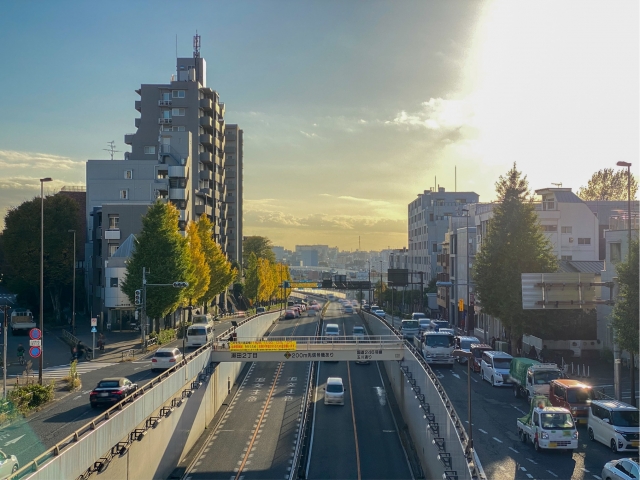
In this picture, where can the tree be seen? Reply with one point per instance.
(608, 184)
(260, 246)
(164, 252)
(197, 290)
(625, 318)
(266, 280)
(221, 273)
(21, 246)
(252, 280)
(514, 244)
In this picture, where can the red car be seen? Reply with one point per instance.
(477, 349)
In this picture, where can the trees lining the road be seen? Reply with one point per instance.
(221, 272)
(21, 250)
(608, 184)
(263, 279)
(514, 244)
(260, 246)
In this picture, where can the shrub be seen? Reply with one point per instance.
(165, 336)
(26, 398)
(73, 379)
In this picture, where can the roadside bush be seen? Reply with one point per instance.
(73, 379)
(165, 336)
(606, 354)
(26, 398)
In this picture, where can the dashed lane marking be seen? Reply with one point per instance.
(529, 475)
(513, 450)
(532, 461)
(497, 439)
(483, 431)
(523, 469)
(518, 409)
(551, 473)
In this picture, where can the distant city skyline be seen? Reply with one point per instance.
(349, 109)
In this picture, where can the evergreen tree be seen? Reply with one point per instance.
(165, 254)
(260, 246)
(514, 244)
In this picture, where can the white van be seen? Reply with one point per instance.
(199, 335)
(410, 328)
(615, 424)
(202, 319)
(334, 391)
(332, 330)
(436, 347)
(494, 367)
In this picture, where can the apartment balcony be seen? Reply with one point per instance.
(178, 194)
(206, 158)
(161, 184)
(165, 121)
(137, 122)
(204, 192)
(219, 143)
(205, 175)
(206, 104)
(178, 171)
(221, 123)
(138, 105)
(221, 108)
(219, 178)
(183, 216)
(202, 209)
(164, 103)
(112, 234)
(206, 122)
(206, 139)
(128, 138)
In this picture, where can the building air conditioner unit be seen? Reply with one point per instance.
(570, 239)
(126, 155)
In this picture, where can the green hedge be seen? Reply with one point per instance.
(26, 398)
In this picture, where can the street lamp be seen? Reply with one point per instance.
(73, 301)
(468, 356)
(467, 316)
(41, 365)
(631, 365)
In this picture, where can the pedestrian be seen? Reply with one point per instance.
(544, 353)
(532, 353)
(493, 343)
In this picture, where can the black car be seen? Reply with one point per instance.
(111, 390)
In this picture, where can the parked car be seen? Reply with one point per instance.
(165, 358)
(615, 424)
(8, 464)
(334, 391)
(111, 391)
(621, 469)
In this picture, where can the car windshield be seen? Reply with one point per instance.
(200, 319)
(424, 322)
(479, 351)
(196, 331)
(440, 323)
(557, 421)
(358, 330)
(542, 378)
(502, 363)
(438, 340)
(410, 324)
(625, 418)
(109, 384)
(466, 344)
(579, 395)
(334, 388)
(164, 354)
(418, 316)
(332, 330)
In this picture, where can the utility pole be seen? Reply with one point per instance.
(73, 301)
(143, 312)
(4, 352)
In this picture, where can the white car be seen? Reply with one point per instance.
(614, 424)
(8, 464)
(165, 358)
(621, 469)
(380, 313)
(334, 391)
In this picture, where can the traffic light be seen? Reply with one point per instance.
(460, 305)
(138, 299)
(180, 284)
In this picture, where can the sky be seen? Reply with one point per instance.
(350, 108)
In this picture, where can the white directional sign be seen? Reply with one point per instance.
(35, 343)
(360, 353)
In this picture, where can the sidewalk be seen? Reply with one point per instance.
(117, 345)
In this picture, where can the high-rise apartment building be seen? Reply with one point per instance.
(234, 191)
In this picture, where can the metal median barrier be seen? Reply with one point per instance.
(437, 431)
(92, 447)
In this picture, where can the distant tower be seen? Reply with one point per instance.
(196, 45)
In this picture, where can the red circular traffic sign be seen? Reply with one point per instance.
(35, 334)
(35, 351)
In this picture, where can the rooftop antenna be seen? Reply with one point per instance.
(557, 185)
(196, 52)
(112, 148)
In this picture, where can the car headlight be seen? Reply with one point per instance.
(575, 435)
(544, 435)
(498, 376)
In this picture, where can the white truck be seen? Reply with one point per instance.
(530, 377)
(548, 427)
(21, 321)
(436, 347)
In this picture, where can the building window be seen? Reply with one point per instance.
(434, 247)
(128, 174)
(549, 228)
(163, 174)
(114, 222)
(615, 252)
(440, 203)
(566, 257)
(179, 129)
(431, 217)
(549, 204)
(584, 241)
(177, 93)
(567, 229)
(112, 248)
(124, 194)
(113, 282)
(461, 201)
(150, 150)
(178, 112)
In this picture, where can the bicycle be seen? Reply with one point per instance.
(21, 359)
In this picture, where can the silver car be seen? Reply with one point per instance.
(621, 469)
(8, 464)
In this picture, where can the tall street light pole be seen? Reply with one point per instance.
(631, 364)
(468, 316)
(41, 365)
(73, 300)
(469, 357)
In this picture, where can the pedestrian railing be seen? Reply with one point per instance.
(131, 353)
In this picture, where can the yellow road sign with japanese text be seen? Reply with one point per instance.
(266, 346)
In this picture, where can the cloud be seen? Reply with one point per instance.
(365, 200)
(35, 160)
(437, 114)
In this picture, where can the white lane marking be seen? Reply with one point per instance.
(15, 440)
(523, 469)
(456, 375)
(551, 473)
(497, 439)
(598, 477)
(388, 431)
(483, 431)
(76, 398)
(532, 461)
(529, 475)
(585, 470)
(513, 450)
(521, 411)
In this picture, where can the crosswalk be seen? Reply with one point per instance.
(62, 371)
